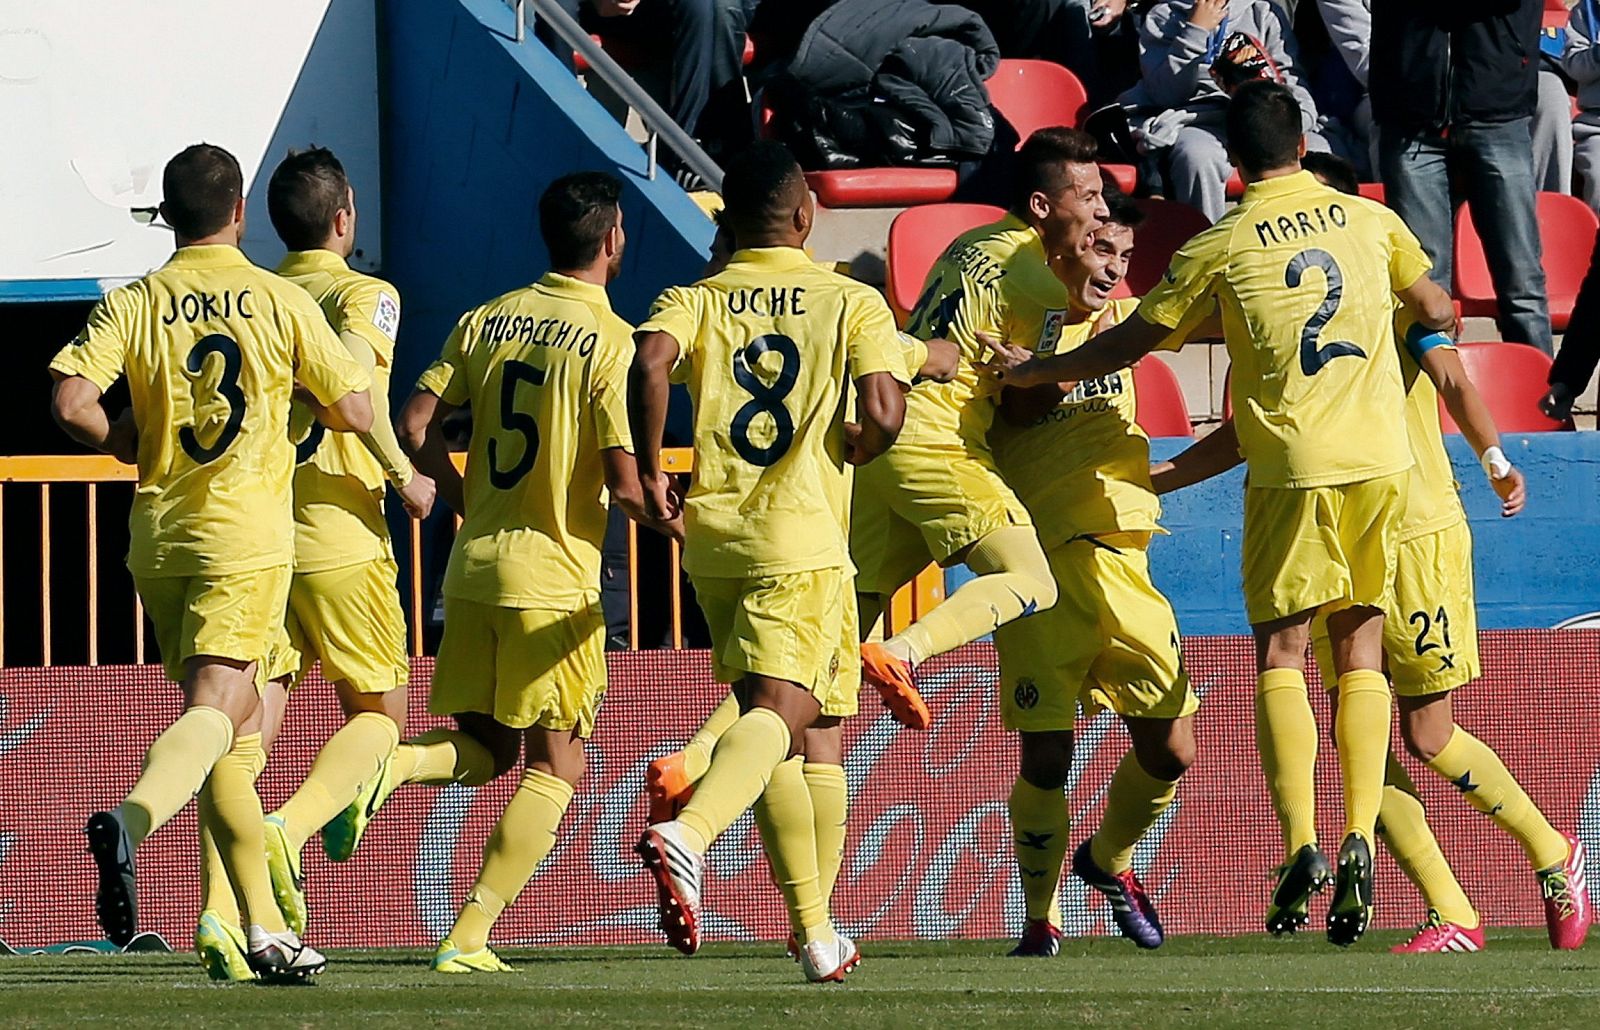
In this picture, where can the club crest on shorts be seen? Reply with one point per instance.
(1050, 334)
(1026, 694)
(833, 667)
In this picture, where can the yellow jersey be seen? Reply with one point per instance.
(545, 369)
(1305, 277)
(1433, 498)
(766, 348)
(994, 279)
(1083, 468)
(338, 484)
(212, 347)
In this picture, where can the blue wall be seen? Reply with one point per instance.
(1535, 570)
(475, 127)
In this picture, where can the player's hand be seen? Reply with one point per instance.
(944, 359)
(1208, 14)
(852, 445)
(122, 442)
(662, 502)
(1107, 12)
(418, 495)
(1513, 492)
(1012, 365)
(1557, 404)
(672, 528)
(615, 8)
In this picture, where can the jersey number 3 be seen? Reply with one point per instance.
(1313, 357)
(520, 422)
(764, 398)
(227, 389)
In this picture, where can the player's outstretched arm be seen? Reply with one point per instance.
(351, 413)
(648, 380)
(421, 432)
(75, 404)
(416, 492)
(1212, 456)
(1430, 305)
(1116, 348)
(881, 403)
(1443, 365)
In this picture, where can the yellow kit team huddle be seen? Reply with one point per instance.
(834, 458)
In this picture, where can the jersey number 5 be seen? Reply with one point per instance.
(1312, 357)
(764, 398)
(227, 388)
(520, 422)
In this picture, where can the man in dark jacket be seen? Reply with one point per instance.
(1454, 84)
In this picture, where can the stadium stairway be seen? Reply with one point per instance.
(476, 125)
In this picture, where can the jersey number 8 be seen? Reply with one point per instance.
(764, 398)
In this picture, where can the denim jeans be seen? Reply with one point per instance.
(1490, 167)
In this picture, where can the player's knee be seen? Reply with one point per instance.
(1165, 750)
(1423, 738)
(1046, 759)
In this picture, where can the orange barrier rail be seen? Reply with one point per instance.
(92, 471)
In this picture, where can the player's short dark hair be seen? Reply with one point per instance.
(1121, 208)
(759, 187)
(575, 213)
(1040, 166)
(199, 188)
(306, 191)
(1264, 126)
(1333, 170)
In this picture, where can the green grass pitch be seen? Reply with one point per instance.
(1192, 982)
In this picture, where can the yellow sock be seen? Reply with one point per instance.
(216, 893)
(788, 829)
(1286, 736)
(830, 801)
(1361, 731)
(1041, 828)
(1403, 827)
(1477, 772)
(1013, 579)
(1134, 801)
(350, 758)
(740, 767)
(231, 807)
(443, 756)
(524, 835)
(697, 753)
(175, 768)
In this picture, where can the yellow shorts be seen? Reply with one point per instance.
(919, 503)
(525, 667)
(1110, 641)
(239, 617)
(1430, 631)
(1324, 548)
(799, 627)
(349, 619)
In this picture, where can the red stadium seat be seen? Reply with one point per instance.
(1555, 18)
(917, 236)
(1235, 187)
(882, 187)
(1373, 191)
(1126, 177)
(1567, 228)
(1511, 377)
(1033, 95)
(1162, 411)
(1168, 225)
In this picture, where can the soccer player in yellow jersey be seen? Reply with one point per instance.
(521, 667)
(344, 607)
(212, 348)
(767, 348)
(1080, 463)
(1305, 279)
(937, 495)
(1431, 646)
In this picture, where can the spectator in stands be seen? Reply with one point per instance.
(702, 42)
(1191, 53)
(1454, 87)
(1074, 33)
(1580, 347)
(1581, 61)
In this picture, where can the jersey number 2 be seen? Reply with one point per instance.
(520, 422)
(764, 398)
(227, 388)
(1313, 357)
